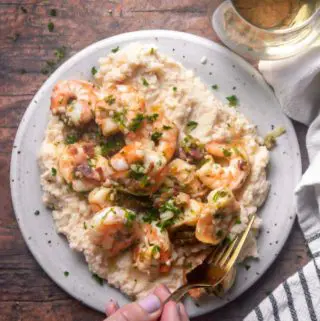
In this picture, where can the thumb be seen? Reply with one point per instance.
(147, 309)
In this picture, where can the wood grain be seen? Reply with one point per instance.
(26, 292)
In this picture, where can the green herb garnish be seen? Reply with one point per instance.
(219, 233)
(60, 53)
(215, 87)
(130, 217)
(97, 278)
(144, 82)
(110, 100)
(238, 221)
(155, 137)
(165, 127)
(150, 216)
(233, 100)
(94, 71)
(66, 273)
(152, 118)
(155, 250)
(271, 138)
(151, 51)
(119, 118)
(85, 225)
(70, 139)
(50, 26)
(174, 89)
(53, 171)
(226, 152)
(219, 194)
(114, 50)
(191, 125)
(136, 122)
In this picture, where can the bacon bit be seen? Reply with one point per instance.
(89, 149)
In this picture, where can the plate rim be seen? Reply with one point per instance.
(130, 36)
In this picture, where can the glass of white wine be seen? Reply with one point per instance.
(266, 29)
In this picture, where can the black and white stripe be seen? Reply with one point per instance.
(258, 313)
(291, 306)
(313, 237)
(274, 307)
(307, 296)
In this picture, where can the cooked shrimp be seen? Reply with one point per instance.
(140, 166)
(217, 217)
(74, 101)
(184, 174)
(82, 168)
(114, 229)
(117, 109)
(231, 175)
(153, 253)
(101, 197)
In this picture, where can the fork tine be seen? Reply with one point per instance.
(236, 252)
(229, 251)
(220, 254)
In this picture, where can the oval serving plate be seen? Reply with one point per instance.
(233, 76)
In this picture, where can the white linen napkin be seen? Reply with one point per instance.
(296, 82)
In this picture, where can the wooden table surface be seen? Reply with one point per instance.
(27, 50)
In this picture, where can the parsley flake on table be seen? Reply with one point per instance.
(66, 273)
(215, 87)
(50, 26)
(233, 100)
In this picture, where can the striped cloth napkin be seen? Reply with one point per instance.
(296, 82)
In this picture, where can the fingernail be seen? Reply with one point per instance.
(151, 303)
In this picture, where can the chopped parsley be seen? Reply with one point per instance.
(137, 172)
(226, 152)
(165, 127)
(233, 100)
(238, 221)
(112, 145)
(170, 206)
(144, 82)
(85, 225)
(152, 51)
(66, 273)
(155, 250)
(166, 223)
(94, 71)
(53, 171)
(97, 278)
(174, 89)
(50, 26)
(70, 139)
(130, 217)
(155, 137)
(191, 125)
(60, 53)
(219, 194)
(119, 118)
(136, 122)
(110, 100)
(150, 216)
(152, 118)
(271, 138)
(215, 87)
(53, 12)
(114, 50)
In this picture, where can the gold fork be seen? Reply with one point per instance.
(218, 264)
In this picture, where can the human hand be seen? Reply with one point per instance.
(148, 309)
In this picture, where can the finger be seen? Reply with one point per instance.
(170, 312)
(147, 309)
(162, 292)
(111, 307)
(183, 312)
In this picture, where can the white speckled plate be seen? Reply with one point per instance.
(234, 76)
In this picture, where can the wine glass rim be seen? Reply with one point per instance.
(284, 30)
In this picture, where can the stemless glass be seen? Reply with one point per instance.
(253, 42)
